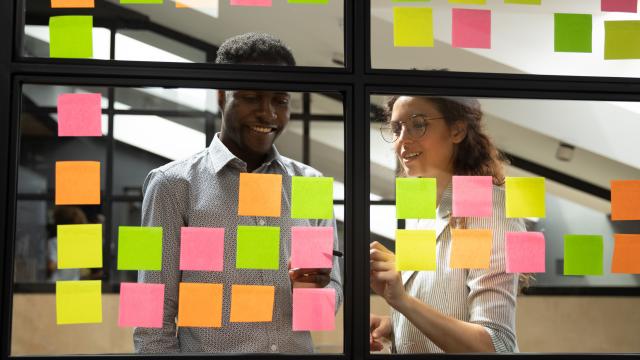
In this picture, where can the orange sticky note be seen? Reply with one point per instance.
(260, 194)
(470, 248)
(200, 305)
(72, 4)
(626, 254)
(625, 200)
(77, 182)
(252, 303)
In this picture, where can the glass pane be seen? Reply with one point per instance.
(572, 37)
(187, 31)
(162, 129)
(577, 151)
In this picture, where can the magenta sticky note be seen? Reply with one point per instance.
(201, 248)
(311, 247)
(141, 305)
(619, 5)
(250, 2)
(471, 28)
(525, 252)
(314, 309)
(79, 115)
(472, 196)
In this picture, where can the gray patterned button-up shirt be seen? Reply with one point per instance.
(202, 191)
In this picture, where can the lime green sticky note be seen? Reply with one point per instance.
(78, 302)
(583, 255)
(139, 248)
(622, 40)
(258, 247)
(524, 197)
(415, 250)
(141, 1)
(412, 26)
(415, 198)
(79, 246)
(311, 197)
(472, 2)
(71, 36)
(523, 2)
(318, 2)
(573, 32)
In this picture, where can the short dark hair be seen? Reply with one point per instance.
(254, 47)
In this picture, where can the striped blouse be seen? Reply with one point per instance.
(486, 297)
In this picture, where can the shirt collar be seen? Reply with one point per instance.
(221, 155)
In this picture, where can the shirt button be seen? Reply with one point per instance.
(261, 222)
(274, 347)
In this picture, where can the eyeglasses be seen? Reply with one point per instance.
(415, 127)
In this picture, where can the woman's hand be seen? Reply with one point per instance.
(379, 329)
(385, 280)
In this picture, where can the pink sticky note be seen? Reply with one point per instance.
(311, 247)
(141, 305)
(201, 248)
(314, 309)
(250, 2)
(79, 115)
(619, 5)
(525, 252)
(472, 196)
(471, 28)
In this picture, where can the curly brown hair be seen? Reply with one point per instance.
(475, 154)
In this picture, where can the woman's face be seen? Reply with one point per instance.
(431, 154)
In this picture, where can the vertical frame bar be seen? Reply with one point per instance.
(306, 127)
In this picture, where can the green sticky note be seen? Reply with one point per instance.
(71, 37)
(583, 255)
(318, 2)
(139, 248)
(311, 197)
(78, 302)
(412, 26)
(141, 1)
(415, 250)
(258, 247)
(622, 40)
(524, 197)
(416, 198)
(79, 246)
(472, 2)
(573, 32)
(523, 2)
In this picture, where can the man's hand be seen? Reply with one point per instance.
(379, 329)
(309, 278)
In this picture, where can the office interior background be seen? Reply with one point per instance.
(579, 146)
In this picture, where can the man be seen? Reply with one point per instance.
(202, 191)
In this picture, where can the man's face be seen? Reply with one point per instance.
(253, 119)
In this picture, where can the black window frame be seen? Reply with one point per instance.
(356, 81)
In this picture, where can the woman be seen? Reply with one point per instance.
(447, 310)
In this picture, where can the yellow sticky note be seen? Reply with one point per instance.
(412, 27)
(470, 248)
(524, 197)
(78, 302)
(415, 250)
(79, 246)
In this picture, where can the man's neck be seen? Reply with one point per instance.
(253, 161)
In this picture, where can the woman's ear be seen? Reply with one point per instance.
(458, 131)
